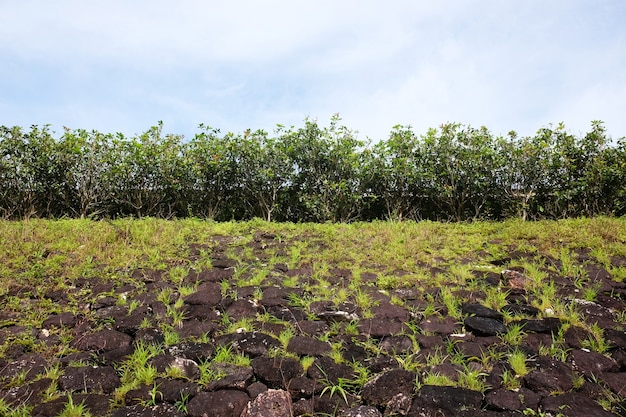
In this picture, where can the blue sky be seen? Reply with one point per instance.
(120, 66)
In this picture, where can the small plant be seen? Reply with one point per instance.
(517, 360)
(514, 335)
(435, 378)
(74, 410)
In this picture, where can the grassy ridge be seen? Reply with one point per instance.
(444, 263)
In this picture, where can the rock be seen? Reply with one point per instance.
(309, 346)
(326, 369)
(480, 310)
(616, 382)
(250, 343)
(431, 398)
(482, 326)
(237, 377)
(547, 325)
(255, 389)
(304, 387)
(90, 378)
(65, 319)
(383, 387)
(32, 364)
(440, 325)
(515, 279)
(396, 345)
(207, 294)
(223, 403)
(276, 372)
(159, 410)
(399, 405)
(572, 404)
(102, 341)
(522, 309)
(242, 308)
(503, 400)
(361, 411)
(592, 363)
(549, 376)
(575, 335)
(380, 327)
(271, 403)
(28, 394)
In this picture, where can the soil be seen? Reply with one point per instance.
(106, 333)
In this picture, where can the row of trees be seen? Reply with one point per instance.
(312, 173)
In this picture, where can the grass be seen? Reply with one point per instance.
(43, 256)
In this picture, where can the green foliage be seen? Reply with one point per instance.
(312, 173)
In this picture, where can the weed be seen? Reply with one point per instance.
(517, 360)
(74, 410)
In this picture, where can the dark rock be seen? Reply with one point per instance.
(96, 404)
(303, 387)
(223, 403)
(392, 312)
(550, 375)
(548, 325)
(482, 326)
(207, 294)
(66, 319)
(197, 352)
(223, 263)
(330, 403)
(255, 389)
(326, 369)
(616, 382)
(236, 377)
(451, 399)
(575, 335)
(242, 308)
(290, 314)
(380, 327)
(32, 364)
(270, 403)
(129, 324)
(616, 338)
(312, 327)
(383, 387)
(195, 328)
(251, 343)
(159, 410)
(104, 340)
(440, 325)
(502, 400)
(573, 404)
(28, 394)
(522, 309)
(361, 411)
(150, 336)
(276, 372)
(173, 390)
(399, 405)
(305, 345)
(396, 344)
(592, 363)
(90, 378)
(303, 407)
(480, 310)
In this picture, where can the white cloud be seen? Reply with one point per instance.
(121, 65)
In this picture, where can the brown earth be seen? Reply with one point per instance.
(106, 334)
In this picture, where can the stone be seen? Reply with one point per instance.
(591, 363)
(309, 346)
(90, 378)
(548, 325)
(379, 390)
(65, 319)
(250, 343)
(223, 403)
(480, 310)
(396, 344)
(503, 400)
(521, 309)
(573, 404)
(361, 411)
(326, 369)
(380, 327)
(102, 341)
(440, 325)
(271, 403)
(276, 372)
(32, 364)
(304, 387)
(575, 335)
(550, 375)
(482, 326)
(616, 382)
(207, 294)
(430, 398)
(138, 410)
(236, 377)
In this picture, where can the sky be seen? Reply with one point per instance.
(122, 66)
